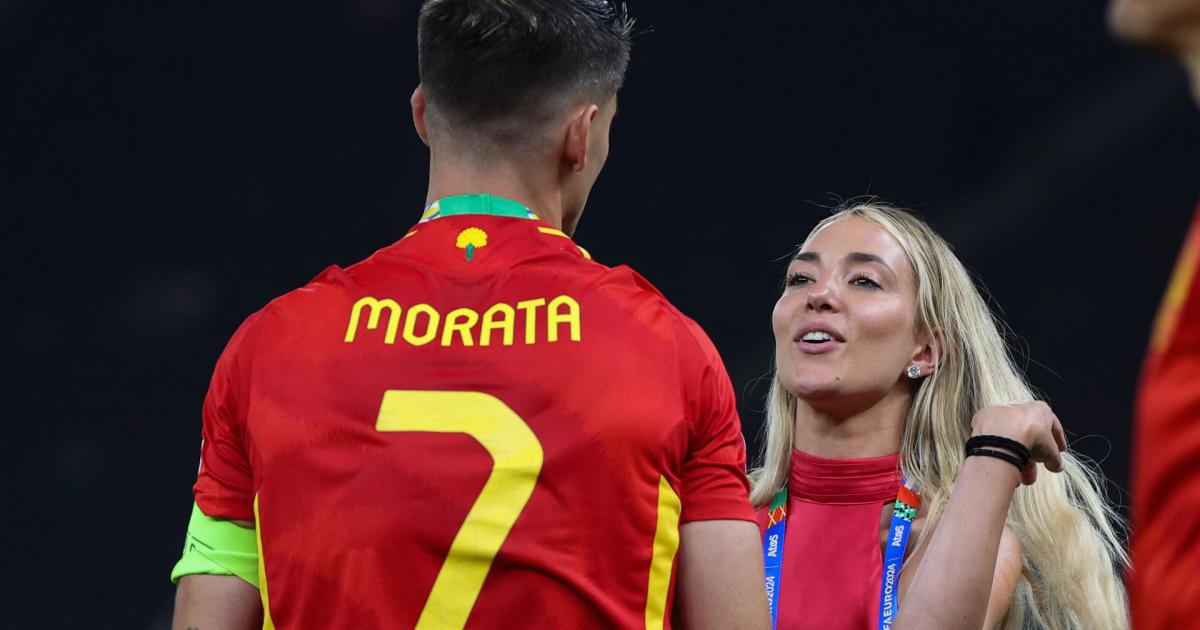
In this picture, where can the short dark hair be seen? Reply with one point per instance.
(498, 66)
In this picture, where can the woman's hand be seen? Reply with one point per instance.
(1030, 423)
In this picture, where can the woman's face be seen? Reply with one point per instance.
(845, 324)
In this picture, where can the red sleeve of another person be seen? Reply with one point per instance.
(1164, 582)
(714, 483)
(225, 485)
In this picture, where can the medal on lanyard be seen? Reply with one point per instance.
(903, 512)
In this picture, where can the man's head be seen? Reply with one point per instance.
(1169, 25)
(503, 79)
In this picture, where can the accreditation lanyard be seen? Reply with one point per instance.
(903, 513)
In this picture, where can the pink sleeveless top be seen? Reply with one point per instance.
(832, 563)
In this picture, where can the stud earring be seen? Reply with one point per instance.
(913, 371)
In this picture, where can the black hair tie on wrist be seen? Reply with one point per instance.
(997, 441)
(1012, 459)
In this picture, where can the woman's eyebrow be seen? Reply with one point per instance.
(862, 257)
(858, 257)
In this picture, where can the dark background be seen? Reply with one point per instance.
(166, 168)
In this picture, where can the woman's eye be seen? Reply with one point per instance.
(864, 281)
(796, 279)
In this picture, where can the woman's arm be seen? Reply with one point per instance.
(1009, 561)
(971, 567)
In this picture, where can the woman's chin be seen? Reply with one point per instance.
(817, 391)
(835, 396)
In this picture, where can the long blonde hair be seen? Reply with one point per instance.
(1068, 531)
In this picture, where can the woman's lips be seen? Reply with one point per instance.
(809, 347)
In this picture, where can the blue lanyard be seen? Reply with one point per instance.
(903, 513)
(773, 550)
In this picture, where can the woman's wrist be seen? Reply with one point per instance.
(994, 470)
(999, 447)
(1016, 431)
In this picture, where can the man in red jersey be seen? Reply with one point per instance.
(1164, 583)
(478, 426)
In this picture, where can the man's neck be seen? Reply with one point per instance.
(871, 432)
(542, 195)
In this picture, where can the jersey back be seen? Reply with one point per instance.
(477, 427)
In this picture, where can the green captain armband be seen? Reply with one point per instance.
(218, 547)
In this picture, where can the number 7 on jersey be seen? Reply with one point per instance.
(517, 462)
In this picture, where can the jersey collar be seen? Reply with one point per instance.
(476, 204)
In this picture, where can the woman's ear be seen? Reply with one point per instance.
(931, 352)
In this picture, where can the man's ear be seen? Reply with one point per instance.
(418, 113)
(932, 353)
(579, 131)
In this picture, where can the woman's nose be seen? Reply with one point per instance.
(822, 296)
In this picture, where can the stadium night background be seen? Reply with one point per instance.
(169, 167)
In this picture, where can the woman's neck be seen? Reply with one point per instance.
(873, 431)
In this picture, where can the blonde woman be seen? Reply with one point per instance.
(899, 485)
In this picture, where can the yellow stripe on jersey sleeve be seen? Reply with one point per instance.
(268, 623)
(553, 232)
(666, 543)
(1177, 291)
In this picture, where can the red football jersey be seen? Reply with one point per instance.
(1163, 584)
(475, 427)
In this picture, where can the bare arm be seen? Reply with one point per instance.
(954, 584)
(971, 568)
(1009, 562)
(721, 577)
(216, 602)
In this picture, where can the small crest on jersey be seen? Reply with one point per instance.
(471, 239)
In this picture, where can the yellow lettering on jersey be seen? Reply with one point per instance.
(461, 321)
(570, 316)
(375, 307)
(666, 543)
(530, 307)
(491, 322)
(431, 324)
(423, 324)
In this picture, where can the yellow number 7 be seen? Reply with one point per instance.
(516, 463)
